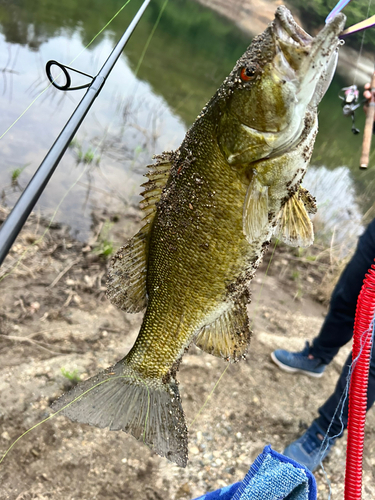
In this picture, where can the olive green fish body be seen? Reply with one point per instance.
(211, 208)
(197, 250)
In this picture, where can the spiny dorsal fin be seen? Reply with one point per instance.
(228, 336)
(158, 175)
(255, 210)
(126, 284)
(294, 226)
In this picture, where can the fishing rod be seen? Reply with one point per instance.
(20, 212)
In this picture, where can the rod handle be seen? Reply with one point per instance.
(367, 133)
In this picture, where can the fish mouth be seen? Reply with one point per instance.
(308, 62)
(287, 30)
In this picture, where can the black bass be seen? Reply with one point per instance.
(211, 208)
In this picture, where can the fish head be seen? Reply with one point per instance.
(282, 74)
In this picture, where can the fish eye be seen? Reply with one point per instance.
(248, 73)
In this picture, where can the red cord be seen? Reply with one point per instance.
(362, 341)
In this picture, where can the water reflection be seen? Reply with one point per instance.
(191, 52)
(338, 221)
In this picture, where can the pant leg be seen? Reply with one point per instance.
(327, 412)
(337, 328)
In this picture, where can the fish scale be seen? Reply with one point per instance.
(211, 208)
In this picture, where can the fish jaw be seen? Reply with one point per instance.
(308, 63)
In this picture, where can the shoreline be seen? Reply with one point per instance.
(253, 16)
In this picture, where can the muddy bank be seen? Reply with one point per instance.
(57, 325)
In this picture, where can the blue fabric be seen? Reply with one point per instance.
(337, 330)
(271, 477)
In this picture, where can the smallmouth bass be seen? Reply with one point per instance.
(211, 208)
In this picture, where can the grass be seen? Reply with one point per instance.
(87, 156)
(15, 174)
(72, 376)
(104, 244)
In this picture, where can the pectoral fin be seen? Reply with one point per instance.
(228, 336)
(294, 226)
(255, 210)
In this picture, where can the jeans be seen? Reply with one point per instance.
(337, 330)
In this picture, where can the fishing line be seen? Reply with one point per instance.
(47, 229)
(209, 396)
(226, 368)
(85, 169)
(145, 50)
(361, 47)
(39, 240)
(150, 37)
(76, 399)
(262, 285)
(341, 404)
(71, 62)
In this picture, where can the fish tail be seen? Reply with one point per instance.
(120, 399)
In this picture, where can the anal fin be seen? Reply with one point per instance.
(228, 336)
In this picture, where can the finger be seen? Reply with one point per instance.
(367, 94)
(367, 85)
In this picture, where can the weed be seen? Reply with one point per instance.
(311, 258)
(89, 156)
(73, 376)
(295, 275)
(15, 175)
(104, 245)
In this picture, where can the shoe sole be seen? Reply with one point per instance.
(289, 369)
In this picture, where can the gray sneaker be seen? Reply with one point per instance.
(294, 362)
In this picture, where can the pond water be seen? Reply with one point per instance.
(141, 111)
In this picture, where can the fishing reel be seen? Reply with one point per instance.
(350, 104)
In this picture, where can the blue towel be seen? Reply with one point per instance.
(271, 477)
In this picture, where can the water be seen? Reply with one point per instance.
(136, 116)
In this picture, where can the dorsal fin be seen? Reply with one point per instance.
(126, 284)
(158, 175)
(228, 336)
(294, 226)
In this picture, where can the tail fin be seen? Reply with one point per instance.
(118, 398)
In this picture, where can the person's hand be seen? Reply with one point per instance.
(367, 92)
(367, 95)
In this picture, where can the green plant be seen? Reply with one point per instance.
(295, 274)
(89, 156)
(15, 174)
(104, 245)
(73, 376)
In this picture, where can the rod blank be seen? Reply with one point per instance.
(18, 216)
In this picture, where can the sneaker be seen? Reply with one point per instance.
(294, 362)
(309, 450)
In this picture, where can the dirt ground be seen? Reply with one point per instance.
(55, 318)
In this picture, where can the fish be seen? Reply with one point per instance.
(210, 210)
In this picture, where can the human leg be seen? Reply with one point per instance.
(311, 447)
(337, 328)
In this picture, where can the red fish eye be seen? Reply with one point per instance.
(248, 73)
